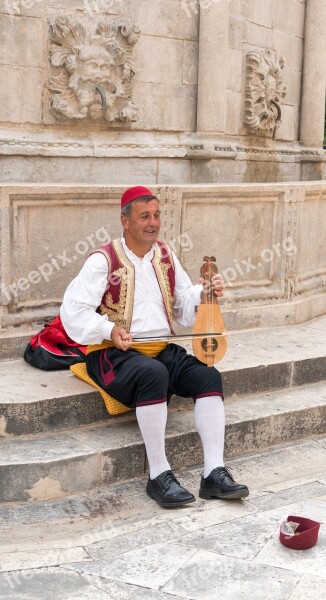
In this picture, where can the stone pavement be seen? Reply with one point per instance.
(116, 544)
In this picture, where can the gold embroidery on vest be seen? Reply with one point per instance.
(121, 312)
(115, 310)
(130, 281)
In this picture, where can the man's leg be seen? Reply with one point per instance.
(162, 485)
(210, 424)
(152, 423)
(190, 377)
(142, 383)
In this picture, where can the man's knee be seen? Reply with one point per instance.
(154, 371)
(207, 381)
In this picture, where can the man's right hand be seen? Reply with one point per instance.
(121, 338)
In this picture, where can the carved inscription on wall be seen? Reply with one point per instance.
(92, 69)
(264, 90)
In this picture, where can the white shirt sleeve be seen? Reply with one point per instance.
(81, 299)
(186, 296)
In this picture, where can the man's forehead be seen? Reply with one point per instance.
(143, 206)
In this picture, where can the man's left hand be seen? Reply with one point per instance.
(218, 285)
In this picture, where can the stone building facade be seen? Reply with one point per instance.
(218, 105)
(210, 91)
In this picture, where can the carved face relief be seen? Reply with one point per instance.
(90, 58)
(96, 65)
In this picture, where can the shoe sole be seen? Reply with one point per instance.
(206, 495)
(170, 504)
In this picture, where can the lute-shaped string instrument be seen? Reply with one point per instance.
(209, 349)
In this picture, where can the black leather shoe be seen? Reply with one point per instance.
(167, 491)
(220, 484)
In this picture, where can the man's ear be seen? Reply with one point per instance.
(124, 221)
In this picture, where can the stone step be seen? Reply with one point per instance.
(12, 345)
(258, 360)
(55, 465)
(279, 476)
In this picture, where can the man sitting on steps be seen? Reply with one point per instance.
(133, 287)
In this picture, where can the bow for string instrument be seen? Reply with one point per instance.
(209, 348)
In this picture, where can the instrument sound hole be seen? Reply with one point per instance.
(209, 345)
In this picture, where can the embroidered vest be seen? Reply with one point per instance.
(118, 298)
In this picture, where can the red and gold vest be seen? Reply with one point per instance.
(118, 298)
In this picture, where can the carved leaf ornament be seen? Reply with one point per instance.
(264, 90)
(93, 69)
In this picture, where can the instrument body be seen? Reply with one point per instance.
(211, 348)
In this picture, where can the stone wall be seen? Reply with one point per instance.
(190, 127)
(269, 242)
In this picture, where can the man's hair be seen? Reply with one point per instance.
(126, 210)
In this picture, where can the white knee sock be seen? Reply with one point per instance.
(152, 423)
(210, 424)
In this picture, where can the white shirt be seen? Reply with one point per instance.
(85, 292)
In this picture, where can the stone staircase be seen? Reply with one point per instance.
(57, 440)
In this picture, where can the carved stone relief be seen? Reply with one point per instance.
(92, 69)
(264, 90)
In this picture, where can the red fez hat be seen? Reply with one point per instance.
(134, 192)
(305, 534)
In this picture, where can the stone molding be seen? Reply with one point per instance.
(264, 91)
(169, 149)
(92, 69)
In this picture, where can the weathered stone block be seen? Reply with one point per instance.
(32, 8)
(253, 380)
(20, 97)
(292, 80)
(236, 8)
(288, 171)
(117, 465)
(259, 12)
(291, 48)
(166, 19)
(21, 43)
(10, 7)
(234, 115)
(159, 60)
(190, 63)
(218, 171)
(165, 107)
(288, 130)
(237, 32)
(311, 217)
(173, 171)
(77, 170)
(234, 82)
(309, 371)
(259, 36)
(289, 16)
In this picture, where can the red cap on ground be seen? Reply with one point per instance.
(306, 534)
(134, 192)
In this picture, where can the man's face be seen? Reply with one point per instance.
(142, 227)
